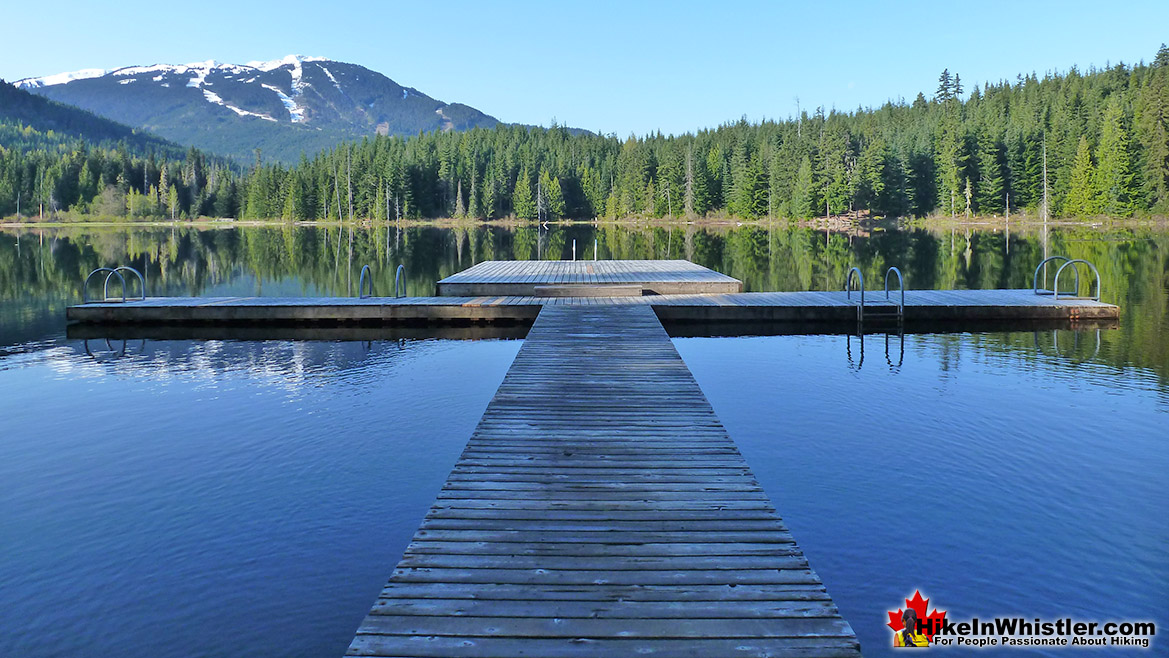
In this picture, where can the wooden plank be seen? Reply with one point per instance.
(602, 512)
(800, 604)
(420, 646)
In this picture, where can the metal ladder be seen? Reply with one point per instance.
(367, 275)
(883, 312)
(1054, 290)
(105, 291)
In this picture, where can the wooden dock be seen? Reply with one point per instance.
(921, 306)
(515, 291)
(601, 509)
(582, 278)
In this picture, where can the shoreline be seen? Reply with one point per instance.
(838, 223)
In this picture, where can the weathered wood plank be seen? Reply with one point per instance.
(420, 646)
(602, 513)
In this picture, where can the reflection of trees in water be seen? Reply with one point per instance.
(294, 362)
(41, 270)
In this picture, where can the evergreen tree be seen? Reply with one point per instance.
(1153, 132)
(522, 201)
(553, 195)
(870, 175)
(490, 194)
(1114, 169)
(804, 203)
(1082, 198)
(945, 90)
(990, 191)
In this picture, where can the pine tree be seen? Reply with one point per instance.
(688, 193)
(552, 196)
(522, 202)
(1082, 198)
(1113, 168)
(870, 175)
(555, 194)
(804, 203)
(460, 209)
(1153, 133)
(990, 190)
(951, 161)
(490, 194)
(945, 90)
(474, 207)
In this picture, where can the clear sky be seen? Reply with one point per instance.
(622, 67)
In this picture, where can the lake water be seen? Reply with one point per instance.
(225, 497)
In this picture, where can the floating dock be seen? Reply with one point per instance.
(601, 509)
(523, 288)
(812, 307)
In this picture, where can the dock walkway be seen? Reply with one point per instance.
(601, 509)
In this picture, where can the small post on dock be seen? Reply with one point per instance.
(574, 248)
(594, 249)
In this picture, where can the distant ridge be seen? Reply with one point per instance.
(283, 107)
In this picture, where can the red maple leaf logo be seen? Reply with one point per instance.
(930, 622)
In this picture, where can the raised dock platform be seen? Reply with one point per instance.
(579, 278)
(601, 509)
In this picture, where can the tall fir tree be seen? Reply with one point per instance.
(1083, 197)
(990, 192)
(804, 203)
(523, 203)
(1113, 162)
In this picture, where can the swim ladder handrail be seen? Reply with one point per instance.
(860, 283)
(1035, 278)
(900, 284)
(141, 280)
(1072, 263)
(105, 294)
(860, 310)
(398, 277)
(361, 283)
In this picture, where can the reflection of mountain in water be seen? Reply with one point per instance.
(41, 270)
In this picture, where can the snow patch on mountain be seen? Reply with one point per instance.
(295, 112)
(59, 78)
(287, 60)
(335, 83)
(213, 97)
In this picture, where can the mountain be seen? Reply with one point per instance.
(31, 121)
(283, 107)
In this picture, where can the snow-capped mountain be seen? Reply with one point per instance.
(282, 107)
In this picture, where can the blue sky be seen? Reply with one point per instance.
(622, 67)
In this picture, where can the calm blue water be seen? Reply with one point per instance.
(999, 478)
(224, 498)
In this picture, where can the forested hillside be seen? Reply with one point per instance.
(1099, 140)
(30, 122)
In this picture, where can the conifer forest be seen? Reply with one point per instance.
(1068, 144)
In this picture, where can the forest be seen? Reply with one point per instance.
(1065, 144)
